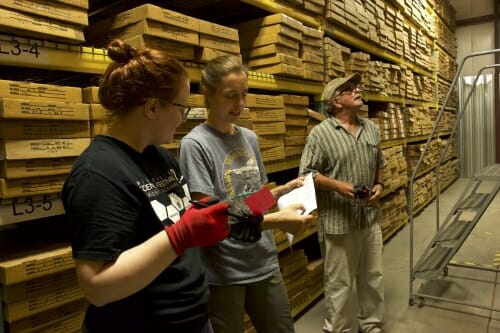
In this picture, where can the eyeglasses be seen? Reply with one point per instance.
(184, 109)
(348, 90)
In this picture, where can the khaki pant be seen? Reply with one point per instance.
(353, 260)
(265, 302)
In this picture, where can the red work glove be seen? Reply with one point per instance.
(199, 227)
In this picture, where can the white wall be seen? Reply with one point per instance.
(477, 129)
(472, 8)
(475, 38)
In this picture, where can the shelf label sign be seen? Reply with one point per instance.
(15, 50)
(30, 208)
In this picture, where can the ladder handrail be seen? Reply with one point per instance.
(426, 147)
(455, 126)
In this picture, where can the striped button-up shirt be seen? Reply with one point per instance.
(335, 153)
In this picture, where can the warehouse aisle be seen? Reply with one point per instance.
(436, 317)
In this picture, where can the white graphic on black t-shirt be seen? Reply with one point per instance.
(168, 195)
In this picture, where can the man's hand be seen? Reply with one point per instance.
(284, 189)
(377, 190)
(345, 189)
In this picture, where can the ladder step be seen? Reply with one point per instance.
(433, 260)
(474, 200)
(453, 231)
(491, 172)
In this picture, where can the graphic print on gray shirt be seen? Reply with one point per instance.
(229, 166)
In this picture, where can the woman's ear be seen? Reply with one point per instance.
(150, 107)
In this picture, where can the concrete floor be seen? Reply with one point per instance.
(436, 316)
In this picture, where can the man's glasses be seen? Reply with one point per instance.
(184, 109)
(348, 90)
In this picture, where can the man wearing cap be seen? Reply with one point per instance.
(344, 155)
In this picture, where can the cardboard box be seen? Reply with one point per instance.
(43, 148)
(51, 317)
(43, 129)
(310, 57)
(247, 123)
(295, 100)
(12, 188)
(267, 128)
(296, 130)
(270, 141)
(39, 92)
(71, 323)
(314, 76)
(311, 41)
(205, 54)
(267, 114)
(13, 22)
(150, 28)
(318, 117)
(270, 20)
(98, 127)
(270, 49)
(293, 120)
(37, 304)
(313, 67)
(197, 100)
(140, 13)
(318, 51)
(283, 69)
(76, 3)
(197, 113)
(279, 29)
(90, 95)
(218, 30)
(295, 140)
(275, 59)
(57, 11)
(314, 8)
(296, 110)
(293, 150)
(13, 169)
(247, 41)
(98, 112)
(264, 101)
(175, 49)
(28, 109)
(219, 43)
(273, 154)
(35, 263)
(318, 2)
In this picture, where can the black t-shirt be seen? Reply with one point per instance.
(116, 198)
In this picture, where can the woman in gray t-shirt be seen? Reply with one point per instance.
(220, 158)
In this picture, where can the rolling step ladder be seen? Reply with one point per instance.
(449, 237)
(459, 223)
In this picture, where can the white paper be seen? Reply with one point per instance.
(305, 195)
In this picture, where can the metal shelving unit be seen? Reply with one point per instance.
(351, 37)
